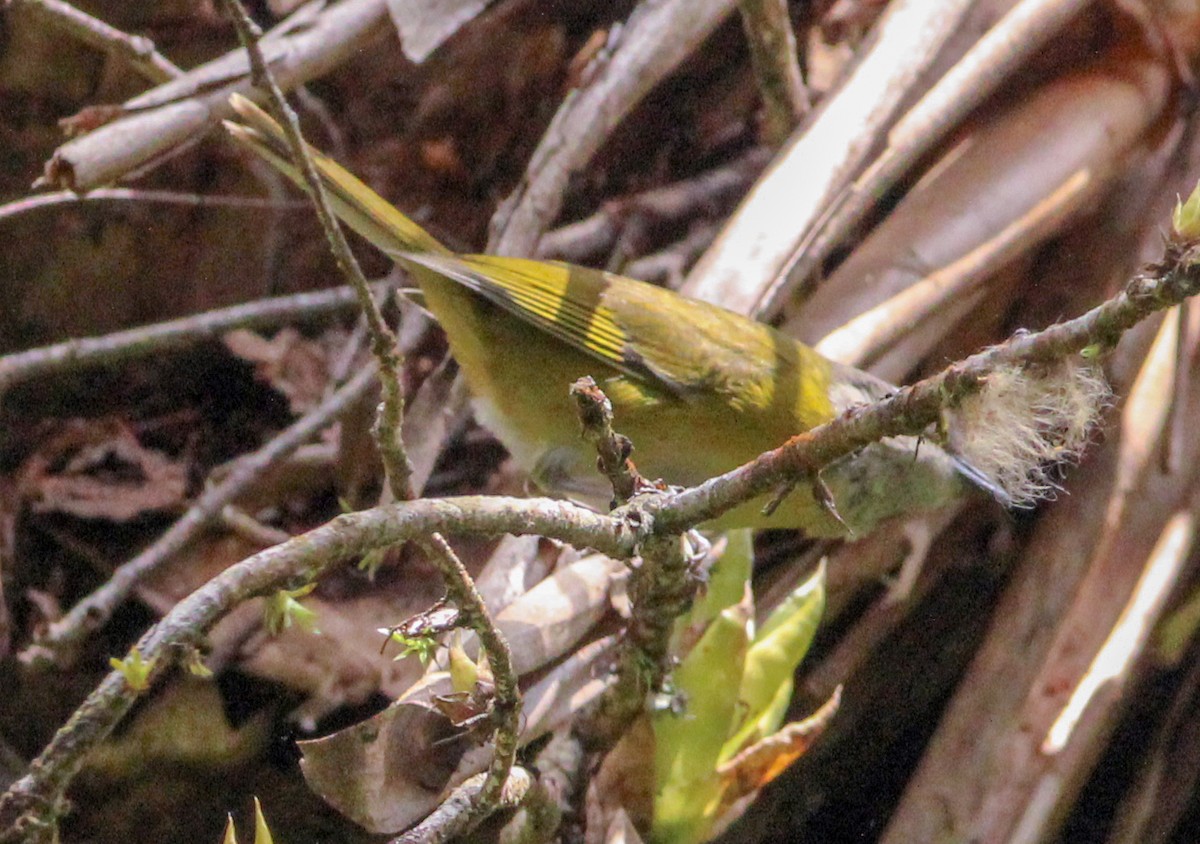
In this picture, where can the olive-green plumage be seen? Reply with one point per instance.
(697, 388)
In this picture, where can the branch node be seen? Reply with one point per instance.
(613, 449)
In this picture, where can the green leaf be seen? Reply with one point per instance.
(771, 661)
(1175, 632)
(262, 833)
(688, 746)
(464, 673)
(726, 586)
(193, 660)
(422, 647)
(1186, 219)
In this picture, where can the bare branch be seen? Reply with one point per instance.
(59, 641)
(914, 408)
(454, 816)
(506, 703)
(109, 349)
(34, 800)
(137, 51)
(768, 28)
(761, 237)
(652, 526)
(36, 202)
(1001, 51)
(307, 45)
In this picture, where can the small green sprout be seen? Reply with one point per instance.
(193, 660)
(1186, 219)
(371, 561)
(134, 669)
(283, 609)
(421, 646)
(262, 833)
(464, 673)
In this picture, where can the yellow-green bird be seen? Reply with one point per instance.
(698, 389)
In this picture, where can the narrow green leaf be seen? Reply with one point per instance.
(1186, 219)
(688, 746)
(726, 586)
(262, 833)
(771, 661)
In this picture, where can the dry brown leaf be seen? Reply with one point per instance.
(516, 565)
(762, 762)
(388, 772)
(97, 469)
(382, 793)
(293, 365)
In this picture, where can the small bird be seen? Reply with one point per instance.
(698, 389)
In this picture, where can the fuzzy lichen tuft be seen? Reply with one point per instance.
(1026, 420)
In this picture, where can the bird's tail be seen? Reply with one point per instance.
(359, 207)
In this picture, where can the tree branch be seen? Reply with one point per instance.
(137, 51)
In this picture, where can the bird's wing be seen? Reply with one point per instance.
(566, 302)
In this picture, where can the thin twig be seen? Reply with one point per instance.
(383, 341)
(137, 51)
(612, 449)
(36, 799)
(94, 610)
(109, 349)
(308, 44)
(867, 337)
(668, 265)
(660, 587)
(706, 193)
(251, 529)
(506, 699)
(768, 28)
(454, 816)
(506, 703)
(912, 409)
(169, 197)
